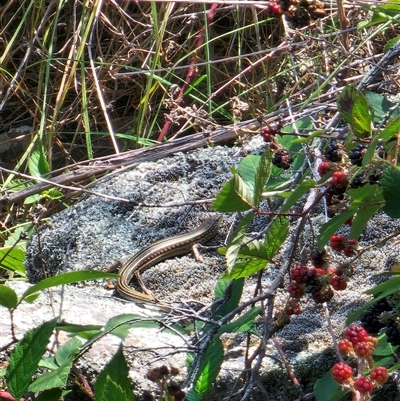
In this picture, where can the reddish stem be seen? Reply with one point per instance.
(191, 70)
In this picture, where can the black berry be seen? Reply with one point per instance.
(356, 155)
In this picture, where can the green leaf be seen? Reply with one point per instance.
(210, 367)
(67, 351)
(8, 297)
(233, 197)
(67, 278)
(25, 357)
(391, 191)
(297, 194)
(50, 395)
(113, 382)
(361, 119)
(276, 235)
(85, 331)
(345, 102)
(391, 129)
(365, 197)
(244, 324)
(54, 379)
(330, 228)
(234, 296)
(382, 291)
(37, 163)
(379, 105)
(13, 260)
(262, 176)
(245, 269)
(326, 389)
(237, 240)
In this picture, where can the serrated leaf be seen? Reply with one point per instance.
(229, 199)
(392, 129)
(390, 183)
(326, 389)
(361, 119)
(113, 382)
(379, 105)
(275, 236)
(330, 227)
(37, 163)
(8, 297)
(238, 239)
(366, 196)
(54, 379)
(67, 278)
(244, 324)
(25, 357)
(210, 367)
(297, 194)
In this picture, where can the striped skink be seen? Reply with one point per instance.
(157, 252)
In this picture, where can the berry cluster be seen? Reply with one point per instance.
(358, 344)
(282, 159)
(339, 244)
(334, 151)
(356, 155)
(318, 280)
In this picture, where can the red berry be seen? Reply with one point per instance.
(345, 346)
(380, 375)
(356, 334)
(363, 348)
(352, 242)
(339, 179)
(268, 133)
(341, 372)
(325, 167)
(295, 290)
(320, 272)
(298, 273)
(338, 283)
(337, 242)
(275, 9)
(364, 385)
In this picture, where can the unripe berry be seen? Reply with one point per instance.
(364, 385)
(363, 348)
(345, 346)
(295, 290)
(341, 372)
(339, 179)
(356, 334)
(338, 283)
(380, 374)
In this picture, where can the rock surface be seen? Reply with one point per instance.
(99, 231)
